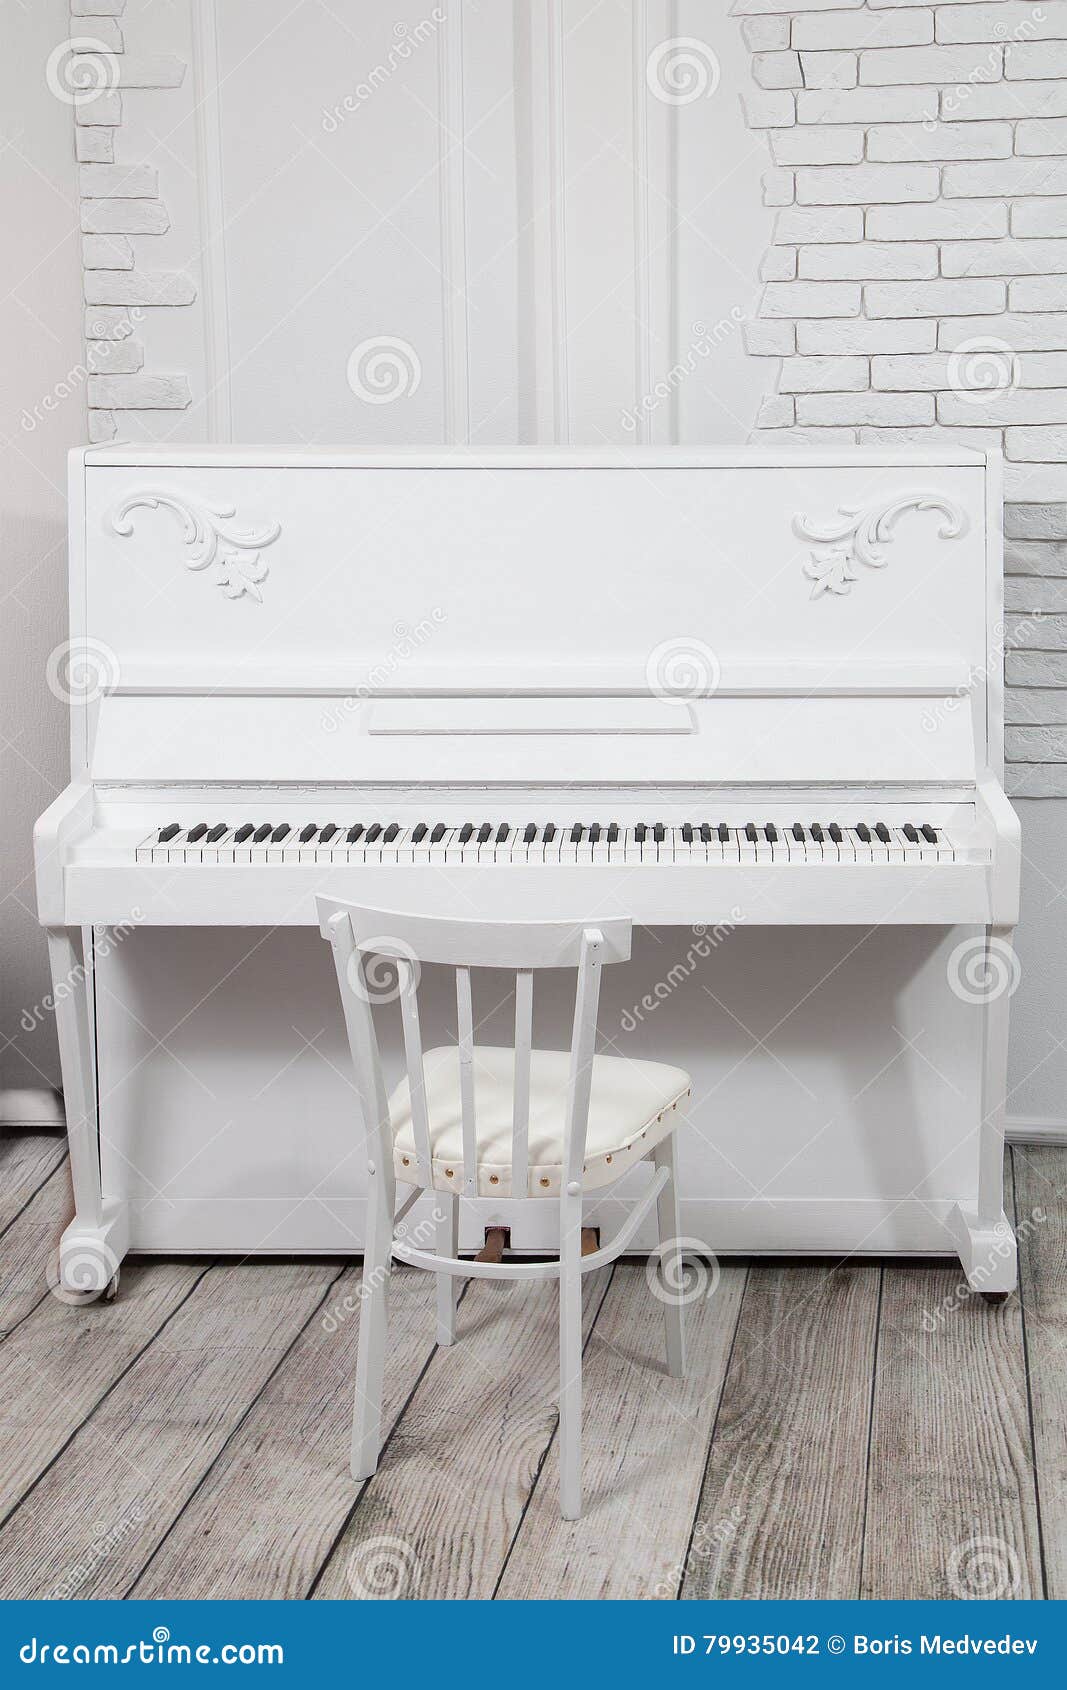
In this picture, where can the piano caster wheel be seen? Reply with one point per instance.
(111, 1290)
(994, 1296)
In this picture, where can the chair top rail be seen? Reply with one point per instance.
(476, 944)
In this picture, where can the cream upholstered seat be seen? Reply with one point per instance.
(631, 1108)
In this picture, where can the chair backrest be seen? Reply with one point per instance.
(361, 938)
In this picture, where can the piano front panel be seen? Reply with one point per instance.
(231, 1125)
(423, 577)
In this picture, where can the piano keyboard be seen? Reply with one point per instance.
(447, 843)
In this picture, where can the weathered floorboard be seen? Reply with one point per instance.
(59, 1363)
(263, 1521)
(29, 1249)
(951, 1507)
(1041, 1222)
(100, 1509)
(26, 1161)
(781, 1514)
(438, 1516)
(646, 1441)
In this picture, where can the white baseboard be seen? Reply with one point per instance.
(1037, 1129)
(33, 1107)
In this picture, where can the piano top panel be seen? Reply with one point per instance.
(267, 570)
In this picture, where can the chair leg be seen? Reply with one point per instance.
(570, 1359)
(670, 1230)
(373, 1320)
(446, 1211)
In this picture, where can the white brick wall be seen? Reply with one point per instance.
(920, 271)
(120, 210)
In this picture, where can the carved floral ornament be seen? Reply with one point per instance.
(208, 537)
(858, 534)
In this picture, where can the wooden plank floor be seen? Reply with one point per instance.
(844, 1429)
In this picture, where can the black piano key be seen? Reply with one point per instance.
(772, 833)
(244, 832)
(911, 833)
(328, 832)
(197, 832)
(549, 833)
(576, 833)
(705, 833)
(373, 832)
(390, 833)
(750, 832)
(835, 833)
(659, 833)
(529, 833)
(613, 833)
(419, 832)
(465, 832)
(724, 834)
(798, 833)
(261, 833)
(639, 833)
(354, 832)
(280, 832)
(687, 833)
(437, 833)
(216, 833)
(929, 833)
(308, 832)
(484, 833)
(864, 832)
(816, 833)
(169, 831)
(882, 831)
(594, 833)
(502, 832)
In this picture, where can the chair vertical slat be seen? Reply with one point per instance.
(583, 1044)
(465, 1017)
(520, 1136)
(420, 1121)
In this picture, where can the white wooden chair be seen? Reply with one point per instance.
(480, 1121)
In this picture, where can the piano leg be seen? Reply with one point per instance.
(984, 1235)
(93, 1245)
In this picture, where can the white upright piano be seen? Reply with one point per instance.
(751, 699)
